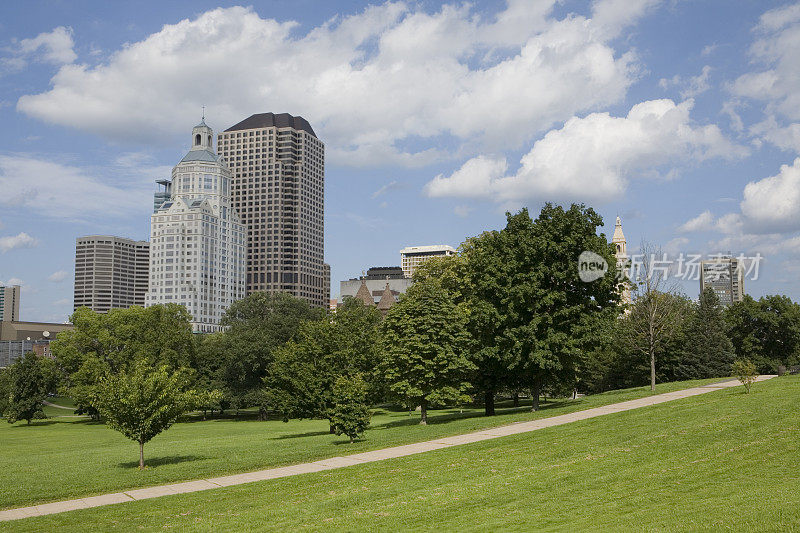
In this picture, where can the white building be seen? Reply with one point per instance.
(413, 256)
(621, 254)
(197, 242)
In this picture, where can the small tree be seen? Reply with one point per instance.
(143, 402)
(25, 386)
(350, 415)
(746, 372)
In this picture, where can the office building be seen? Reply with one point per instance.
(197, 242)
(10, 351)
(374, 284)
(725, 276)
(9, 303)
(278, 167)
(110, 272)
(413, 256)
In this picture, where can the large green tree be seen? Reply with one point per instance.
(425, 343)
(111, 342)
(256, 326)
(765, 331)
(349, 413)
(301, 378)
(142, 401)
(24, 386)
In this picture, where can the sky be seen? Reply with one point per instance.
(682, 118)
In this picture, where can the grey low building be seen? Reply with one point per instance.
(11, 351)
(375, 280)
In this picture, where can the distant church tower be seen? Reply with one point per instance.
(621, 253)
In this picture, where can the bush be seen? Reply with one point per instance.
(350, 415)
(745, 371)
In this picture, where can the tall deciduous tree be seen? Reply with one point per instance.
(425, 347)
(349, 413)
(24, 386)
(143, 401)
(256, 326)
(346, 343)
(112, 342)
(765, 331)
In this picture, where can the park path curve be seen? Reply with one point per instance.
(358, 458)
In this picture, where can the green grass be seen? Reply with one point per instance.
(63, 458)
(719, 461)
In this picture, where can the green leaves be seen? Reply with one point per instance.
(349, 413)
(24, 386)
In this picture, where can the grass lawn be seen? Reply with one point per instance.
(65, 458)
(719, 461)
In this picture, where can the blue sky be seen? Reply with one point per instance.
(681, 117)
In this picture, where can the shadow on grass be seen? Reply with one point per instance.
(163, 461)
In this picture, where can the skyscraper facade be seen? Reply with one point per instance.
(197, 242)
(110, 272)
(9, 303)
(725, 277)
(278, 166)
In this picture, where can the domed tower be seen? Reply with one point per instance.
(202, 137)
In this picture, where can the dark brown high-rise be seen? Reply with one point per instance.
(278, 166)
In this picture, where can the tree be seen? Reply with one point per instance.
(765, 331)
(256, 326)
(301, 378)
(24, 386)
(746, 372)
(143, 401)
(424, 343)
(656, 313)
(349, 414)
(111, 342)
(707, 351)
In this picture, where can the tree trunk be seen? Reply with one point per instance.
(488, 403)
(141, 455)
(516, 399)
(652, 370)
(330, 428)
(423, 412)
(536, 390)
(351, 440)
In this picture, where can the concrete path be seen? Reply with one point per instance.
(57, 406)
(359, 458)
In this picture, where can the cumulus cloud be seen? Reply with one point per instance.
(376, 85)
(54, 47)
(702, 222)
(57, 190)
(773, 203)
(593, 158)
(13, 242)
(58, 276)
(777, 76)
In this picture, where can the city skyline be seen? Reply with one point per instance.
(691, 107)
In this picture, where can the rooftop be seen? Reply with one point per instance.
(427, 249)
(269, 120)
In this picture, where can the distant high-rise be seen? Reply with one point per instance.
(725, 276)
(278, 166)
(413, 256)
(197, 242)
(9, 303)
(110, 272)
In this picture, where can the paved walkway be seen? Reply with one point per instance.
(359, 458)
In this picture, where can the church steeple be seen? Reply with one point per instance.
(202, 137)
(620, 244)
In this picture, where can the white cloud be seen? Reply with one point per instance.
(58, 276)
(63, 191)
(392, 185)
(692, 87)
(375, 85)
(12, 281)
(13, 242)
(773, 203)
(462, 211)
(777, 76)
(702, 222)
(54, 47)
(593, 158)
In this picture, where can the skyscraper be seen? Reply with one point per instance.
(278, 166)
(725, 276)
(197, 242)
(9, 303)
(110, 272)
